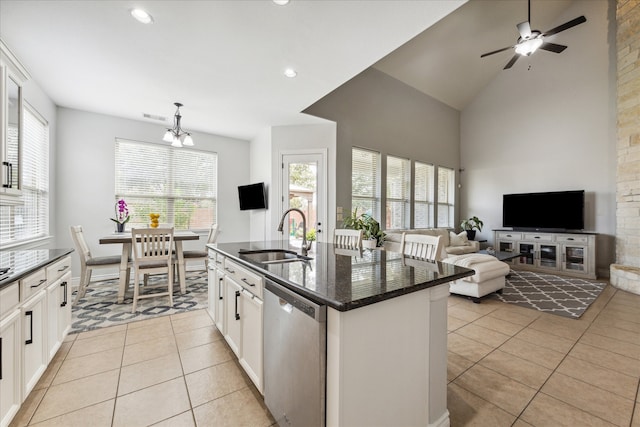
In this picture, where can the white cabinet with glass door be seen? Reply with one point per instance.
(577, 254)
(12, 77)
(538, 250)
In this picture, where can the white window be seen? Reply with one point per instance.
(30, 220)
(423, 195)
(398, 192)
(365, 182)
(446, 197)
(179, 184)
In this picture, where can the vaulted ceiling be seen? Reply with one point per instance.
(224, 60)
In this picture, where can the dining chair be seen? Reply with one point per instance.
(152, 254)
(347, 238)
(421, 247)
(202, 255)
(88, 263)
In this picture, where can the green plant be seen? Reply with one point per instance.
(311, 235)
(473, 223)
(369, 226)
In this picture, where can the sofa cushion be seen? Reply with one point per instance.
(458, 239)
(459, 250)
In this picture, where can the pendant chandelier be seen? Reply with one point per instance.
(177, 136)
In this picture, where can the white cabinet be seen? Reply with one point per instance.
(58, 312)
(216, 290)
(233, 323)
(570, 253)
(237, 298)
(12, 77)
(34, 340)
(252, 337)
(10, 360)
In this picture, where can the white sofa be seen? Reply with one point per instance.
(452, 243)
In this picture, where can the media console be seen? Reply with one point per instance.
(571, 253)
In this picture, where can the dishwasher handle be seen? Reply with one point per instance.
(312, 309)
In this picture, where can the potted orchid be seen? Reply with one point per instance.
(122, 215)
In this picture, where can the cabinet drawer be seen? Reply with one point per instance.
(33, 283)
(573, 238)
(508, 235)
(58, 269)
(537, 237)
(218, 260)
(249, 280)
(9, 298)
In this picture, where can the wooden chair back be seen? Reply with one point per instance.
(347, 238)
(421, 246)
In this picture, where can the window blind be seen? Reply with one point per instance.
(30, 220)
(365, 181)
(423, 195)
(446, 197)
(398, 192)
(179, 184)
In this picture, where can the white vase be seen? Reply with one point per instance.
(369, 244)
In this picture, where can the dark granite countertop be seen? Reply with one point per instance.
(24, 262)
(345, 280)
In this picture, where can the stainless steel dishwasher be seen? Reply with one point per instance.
(295, 343)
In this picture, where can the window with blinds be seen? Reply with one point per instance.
(30, 220)
(365, 181)
(179, 184)
(398, 192)
(423, 196)
(446, 197)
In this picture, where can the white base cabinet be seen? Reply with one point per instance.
(35, 318)
(572, 254)
(236, 306)
(10, 366)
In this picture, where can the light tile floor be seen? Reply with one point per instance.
(508, 366)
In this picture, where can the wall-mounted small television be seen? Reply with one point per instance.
(558, 210)
(252, 196)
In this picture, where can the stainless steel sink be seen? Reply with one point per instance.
(273, 256)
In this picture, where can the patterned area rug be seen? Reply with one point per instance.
(99, 307)
(564, 296)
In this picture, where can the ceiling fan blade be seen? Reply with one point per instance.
(513, 61)
(524, 29)
(496, 51)
(579, 20)
(552, 47)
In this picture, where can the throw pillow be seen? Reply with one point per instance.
(458, 239)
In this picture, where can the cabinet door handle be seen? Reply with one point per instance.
(39, 283)
(536, 237)
(237, 314)
(570, 238)
(30, 314)
(64, 301)
(248, 283)
(220, 288)
(63, 268)
(230, 271)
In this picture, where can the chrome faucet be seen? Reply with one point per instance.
(305, 246)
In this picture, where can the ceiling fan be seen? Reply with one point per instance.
(532, 40)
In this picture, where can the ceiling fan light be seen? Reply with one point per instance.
(168, 136)
(527, 47)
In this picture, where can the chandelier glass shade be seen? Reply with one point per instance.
(177, 136)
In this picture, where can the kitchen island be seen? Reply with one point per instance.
(386, 329)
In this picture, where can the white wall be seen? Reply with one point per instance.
(260, 171)
(85, 178)
(550, 128)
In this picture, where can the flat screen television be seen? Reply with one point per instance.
(252, 196)
(558, 210)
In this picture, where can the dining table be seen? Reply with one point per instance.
(124, 239)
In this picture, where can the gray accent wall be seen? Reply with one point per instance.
(378, 112)
(549, 128)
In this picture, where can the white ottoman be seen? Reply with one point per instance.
(489, 277)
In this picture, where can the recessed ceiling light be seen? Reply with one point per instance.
(142, 16)
(290, 72)
(281, 2)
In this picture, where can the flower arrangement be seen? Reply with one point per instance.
(122, 214)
